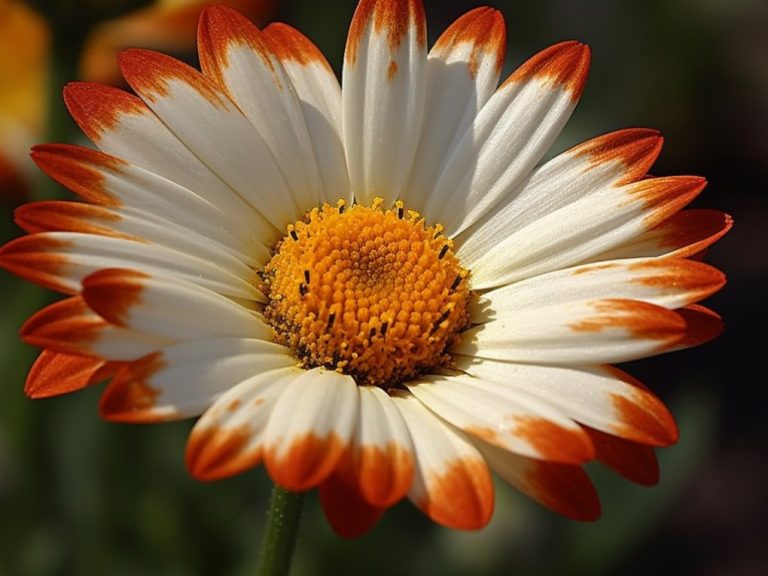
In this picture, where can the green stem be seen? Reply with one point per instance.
(280, 535)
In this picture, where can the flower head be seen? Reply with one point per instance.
(378, 290)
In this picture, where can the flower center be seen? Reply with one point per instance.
(373, 293)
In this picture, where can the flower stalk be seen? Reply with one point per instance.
(280, 535)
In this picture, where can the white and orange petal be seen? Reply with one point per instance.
(576, 332)
(511, 419)
(668, 282)
(613, 159)
(574, 233)
(451, 483)
(564, 489)
(463, 69)
(61, 260)
(384, 95)
(168, 308)
(319, 96)
(601, 397)
(125, 128)
(69, 326)
(221, 136)
(380, 460)
(184, 379)
(234, 53)
(508, 137)
(310, 428)
(229, 436)
(682, 235)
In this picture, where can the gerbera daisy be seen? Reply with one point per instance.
(378, 290)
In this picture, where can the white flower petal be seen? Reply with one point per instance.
(183, 380)
(123, 126)
(310, 427)
(235, 54)
(685, 234)
(611, 160)
(515, 421)
(166, 308)
(319, 95)
(60, 216)
(509, 136)
(451, 482)
(60, 260)
(383, 96)
(463, 70)
(580, 332)
(582, 229)
(220, 135)
(70, 326)
(601, 397)
(382, 452)
(668, 282)
(229, 436)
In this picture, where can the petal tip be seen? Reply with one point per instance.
(130, 398)
(306, 462)
(214, 453)
(393, 18)
(565, 65)
(556, 443)
(564, 489)
(462, 496)
(112, 292)
(635, 148)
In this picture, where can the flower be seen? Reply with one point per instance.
(23, 45)
(376, 290)
(167, 25)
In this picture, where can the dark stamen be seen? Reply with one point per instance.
(306, 276)
(331, 320)
(443, 252)
(384, 327)
(400, 213)
(436, 325)
(456, 282)
(342, 207)
(303, 289)
(372, 333)
(294, 235)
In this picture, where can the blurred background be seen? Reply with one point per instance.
(79, 496)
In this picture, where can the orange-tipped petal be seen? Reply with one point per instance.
(348, 513)
(390, 17)
(635, 462)
(565, 64)
(130, 397)
(635, 148)
(98, 109)
(56, 373)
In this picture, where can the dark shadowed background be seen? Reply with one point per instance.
(79, 496)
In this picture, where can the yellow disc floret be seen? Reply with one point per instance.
(370, 292)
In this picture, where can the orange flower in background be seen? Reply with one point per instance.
(166, 24)
(380, 289)
(23, 47)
